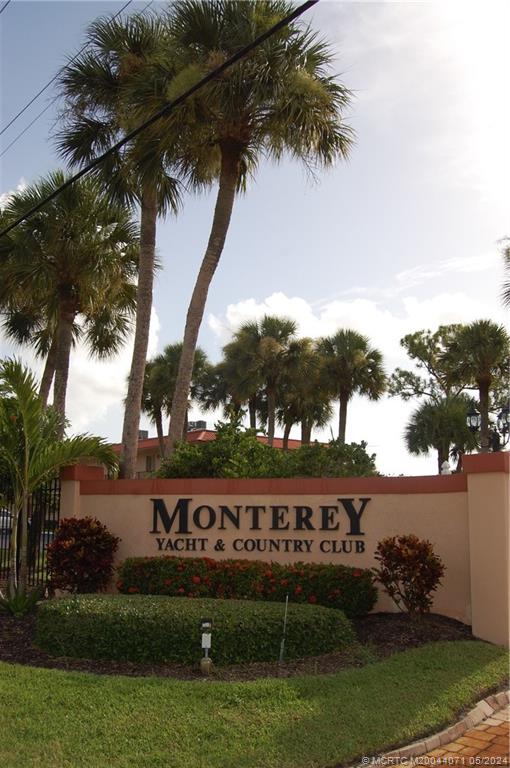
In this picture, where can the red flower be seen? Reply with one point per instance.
(312, 599)
(133, 590)
(181, 590)
(298, 590)
(268, 574)
(196, 579)
(357, 573)
(284, 582)
(168, 582)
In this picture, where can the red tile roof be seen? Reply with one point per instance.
(204, 436)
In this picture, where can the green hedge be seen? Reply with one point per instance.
(351, 590)
(160, 629)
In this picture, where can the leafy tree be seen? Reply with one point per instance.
(280, 99)
(31, 453)
(264, 350)
(102, 103)
(68, 273)
(436, 377)
(159, 385)
(440, 425)
(351, 366)
(303, 397)
(480, 355)
(506, 263)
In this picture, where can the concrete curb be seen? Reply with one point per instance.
(482, 710)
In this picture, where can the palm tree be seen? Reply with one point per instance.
(506, 262)
(159, 385)
(31, 452)
(68, 273)
(281, 99)
(219, 388)
(440, 425)
(102, 103)
(480, 353)
(302, 397)
(264, 351)
(351, 366)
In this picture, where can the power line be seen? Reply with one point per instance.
(4, 6)
(164, 111)
(22, 133)
(50, 82)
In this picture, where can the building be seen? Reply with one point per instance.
(149, 459)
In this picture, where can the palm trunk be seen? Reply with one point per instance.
(306, 432)
(342, 418)
(149, 214)
(271, 411)
(185, 427)
(483, 393)
(286, 435)
(252, 409)
(222, 213)
(62, 357)
(158, 419)
(23, 554)
(49, 371)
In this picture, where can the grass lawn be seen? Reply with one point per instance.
(54, 719)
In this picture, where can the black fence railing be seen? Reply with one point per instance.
(43, 518)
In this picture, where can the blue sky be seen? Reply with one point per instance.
(402, 237)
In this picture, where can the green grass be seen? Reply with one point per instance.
(54, 719)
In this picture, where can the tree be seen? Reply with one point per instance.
(440, 425)
(68, 273)
(101, 88)
(303, 397)
(280, 99)
(351, 366)
(265, 350)
(480, 355)
(437, 377)
(506, 263)
(159, 385)
(31, 452)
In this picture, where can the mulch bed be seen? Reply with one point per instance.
(380, 633)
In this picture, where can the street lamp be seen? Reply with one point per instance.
(499, 435)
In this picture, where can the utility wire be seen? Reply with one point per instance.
(4, 6)
(164, 111)
(50, 82)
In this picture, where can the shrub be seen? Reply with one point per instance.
(80, 557)
(237, 453)
(410, 571)
(335, 586)
(164, 629)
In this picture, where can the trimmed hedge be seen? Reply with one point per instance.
(158, 629)
(351, 590)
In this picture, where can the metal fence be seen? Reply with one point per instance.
(43, 518)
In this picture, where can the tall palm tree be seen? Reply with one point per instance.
(351, 366)
(32, 452)
(159, 385)
(264, 350)
(303, 397)
(281, 99)
(68, 273)
(440, 425)
(480, 353)
(506, 263)
(102, 102)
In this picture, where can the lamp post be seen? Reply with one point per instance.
(500, 434)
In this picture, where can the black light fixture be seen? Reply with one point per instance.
(503, 420)
(473, 420)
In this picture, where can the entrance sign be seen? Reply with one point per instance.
(280, 528)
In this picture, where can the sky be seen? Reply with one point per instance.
(401, 237)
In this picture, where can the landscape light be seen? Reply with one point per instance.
(474, 420)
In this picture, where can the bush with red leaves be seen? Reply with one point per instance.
(80, 557)
(410, 571)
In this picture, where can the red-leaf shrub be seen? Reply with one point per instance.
(351, 590)
(80, 557)
(410, 571)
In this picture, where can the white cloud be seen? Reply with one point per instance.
(5, 196)
(381, 423)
